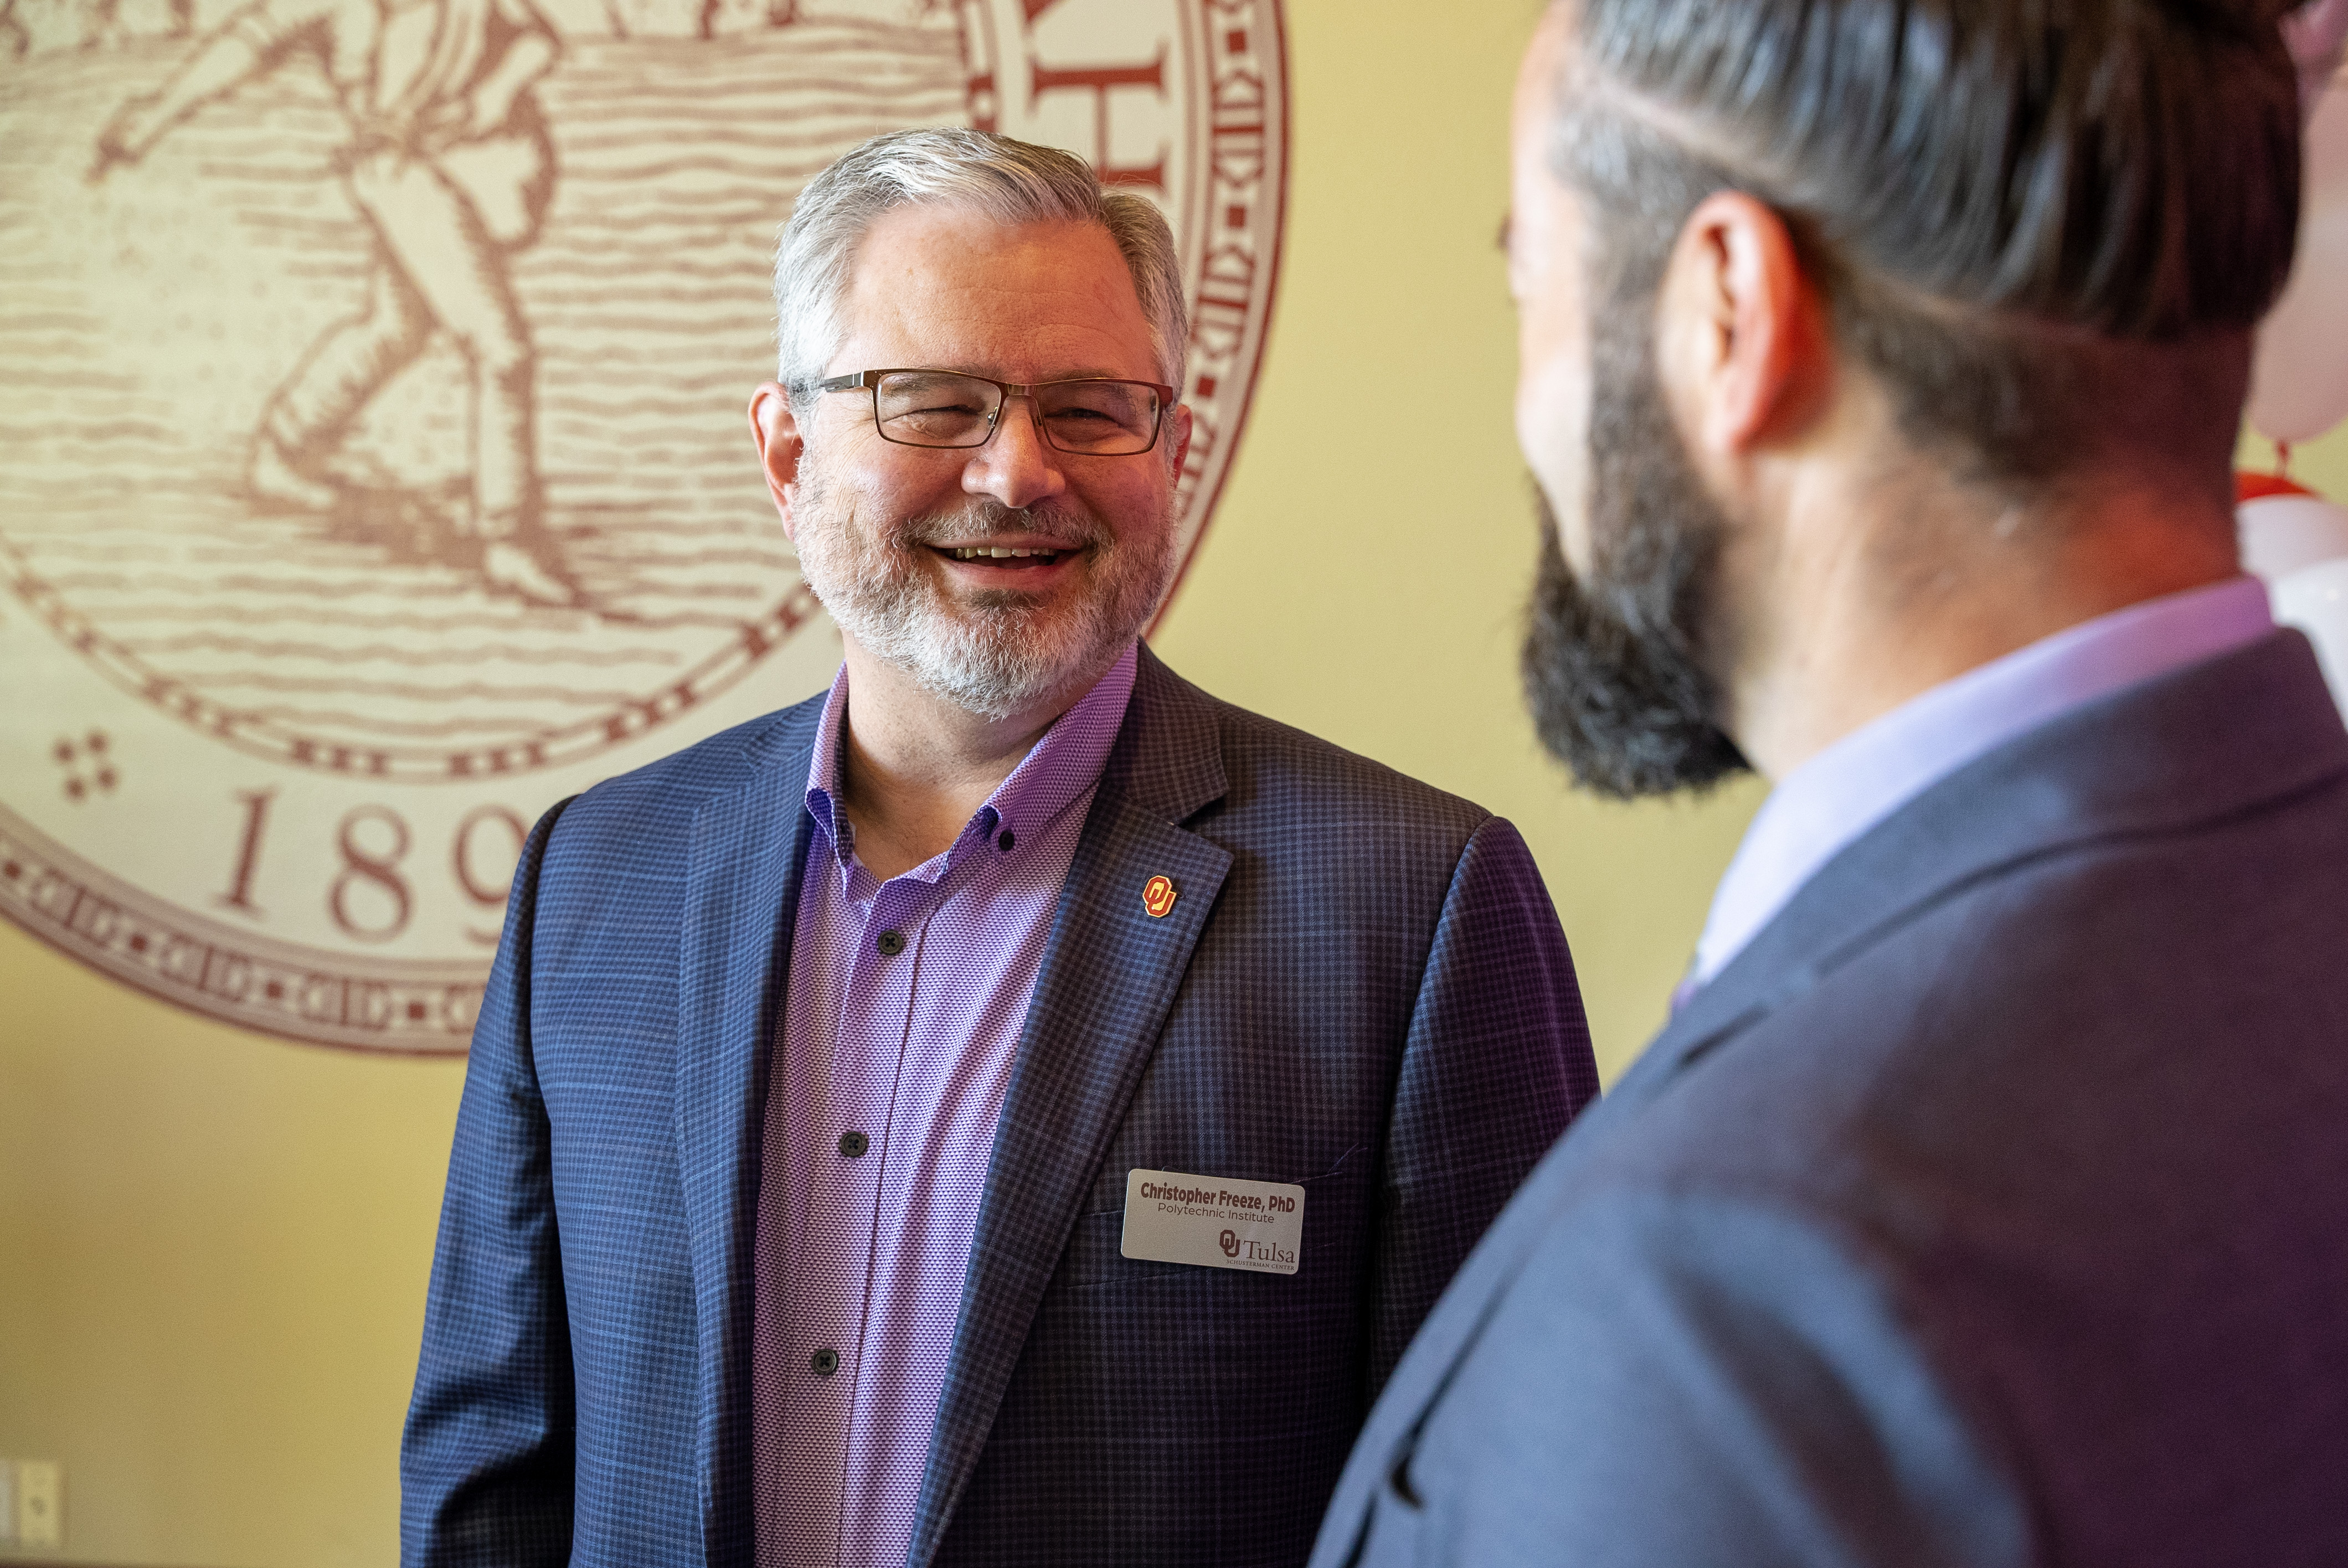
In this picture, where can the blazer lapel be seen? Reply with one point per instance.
(741, 899)
(1109, 978)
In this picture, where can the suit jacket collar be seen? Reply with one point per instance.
(744, 857)
(2222, 736)
(1110, 975)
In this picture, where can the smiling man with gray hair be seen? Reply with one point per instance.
(1012, 1108)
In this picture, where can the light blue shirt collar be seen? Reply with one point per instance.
(1831, 800)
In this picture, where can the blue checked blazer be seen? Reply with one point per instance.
(1987, 1210)
(1362, 988)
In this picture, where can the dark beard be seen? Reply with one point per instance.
(1611, 671)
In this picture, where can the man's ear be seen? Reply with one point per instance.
(775, 429)
(1742, 341)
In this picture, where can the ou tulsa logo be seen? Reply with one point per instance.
(372, 373)
(1229, 1242)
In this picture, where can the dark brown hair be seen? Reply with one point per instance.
(2047, 226)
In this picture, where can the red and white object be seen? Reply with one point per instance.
(2296, 542)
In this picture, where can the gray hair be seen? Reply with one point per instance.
(1007, 180)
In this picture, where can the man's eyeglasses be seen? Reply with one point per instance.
(943, 408)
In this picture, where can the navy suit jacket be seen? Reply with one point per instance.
(1990, 1208)
(1362, 988)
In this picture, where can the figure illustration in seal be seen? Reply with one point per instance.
(450, 165)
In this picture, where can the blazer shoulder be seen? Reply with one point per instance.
(2069, 918)
(666, 792)
(1276, 766)
(2024, 1040)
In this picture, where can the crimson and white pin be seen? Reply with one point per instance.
(1158, 896)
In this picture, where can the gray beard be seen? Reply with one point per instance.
(992, 654)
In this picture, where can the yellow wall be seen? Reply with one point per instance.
(214, 1247)
(2321, 466)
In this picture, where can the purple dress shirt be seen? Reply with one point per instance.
(1840, 793)
(901, 1024)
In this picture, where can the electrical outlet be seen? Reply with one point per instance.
(40, 1503)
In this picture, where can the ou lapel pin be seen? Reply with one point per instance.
(1158, 896)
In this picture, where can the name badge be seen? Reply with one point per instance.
(1216, 1224)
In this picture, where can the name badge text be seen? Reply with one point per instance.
(1213, 1222)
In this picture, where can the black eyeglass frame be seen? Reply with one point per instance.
(870, 380)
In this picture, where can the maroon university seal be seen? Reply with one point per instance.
(371, 374)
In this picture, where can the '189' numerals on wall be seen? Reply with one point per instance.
(370, 898)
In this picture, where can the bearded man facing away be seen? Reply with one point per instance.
(1982, 1201)
(788, 1217)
